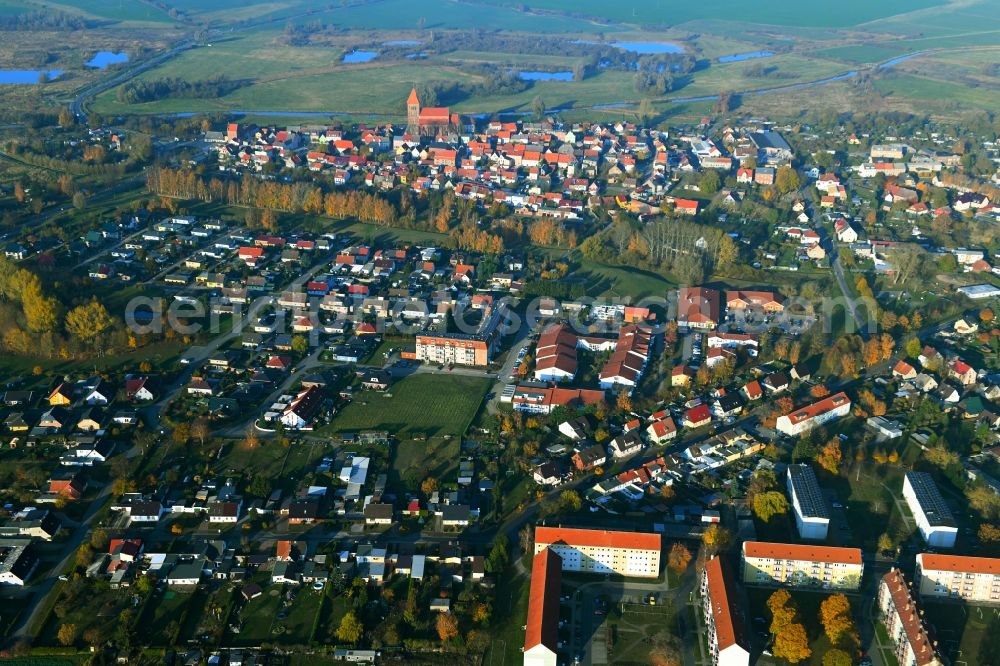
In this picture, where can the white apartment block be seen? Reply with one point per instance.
(899, 613)
(633, 554)
(816, 414)
(934, 520)
(806, 566)
(811, 516)
(723, 618)
(971, 579)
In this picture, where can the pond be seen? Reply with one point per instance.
(739, 57)
(102, 59)
(648, 48)
(29, 76)
(360, 56)
(402, 42)
(546, 76)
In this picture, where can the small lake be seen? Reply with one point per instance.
(648, 48)
(740, 57)
(546, 76)
(27, 76)
(414, 56)
(360, 56)
(402, 42)
(102, 59)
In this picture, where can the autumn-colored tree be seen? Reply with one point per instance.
(782, 610)
(668, 493)
(481, 613)
(939, 456)
(830, 456)
(835, 615)
(885, 542)
(784, 405)
(792, 644)
(428, 485)
(769, 504)
(986, 315)
(984, 500)
(819, 391)
(570, 500)
(893, 457)
(624, 402)
(679, 558)
(251, 439)
(989, 533)
(87, 321)
(716, 538)
(350, 629)
(837, 657)
(447, 626)
(67, 634)
(181, 433)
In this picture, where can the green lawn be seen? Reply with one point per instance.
(911, 87)
(270, 618)
(617, 281)
(117, 10)
(510, 612)
(970, 629)
(414, 461)
(162, 611)
(431, 405)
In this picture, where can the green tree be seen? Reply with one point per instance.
(770, 504)
(538, 106)
(787, 179)
(710, 182)
(300, 344)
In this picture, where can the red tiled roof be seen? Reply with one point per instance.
(821, 407)
(916, 636)
(808, 553)
(597, 538)
(543, 601)
(722, 605)
(960, 563)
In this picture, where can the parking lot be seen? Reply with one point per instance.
(614, 621)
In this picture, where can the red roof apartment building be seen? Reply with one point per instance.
(723, 616)
(633, 554)
(541, 633)
(970, 579)
(820, 412)
(901, 618)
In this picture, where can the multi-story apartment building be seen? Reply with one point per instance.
(602, 551)
(797, 565)
(475, 349)
(975, 579)
(806, 418)
(811, 516)
(899, 613)
(453, 348)
(934, 520)
(723, 618)
(541, 634)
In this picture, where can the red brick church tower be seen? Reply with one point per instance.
(413, 113)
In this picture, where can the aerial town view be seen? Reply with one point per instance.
(494, 333)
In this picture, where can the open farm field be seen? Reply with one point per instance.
(775, 12)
